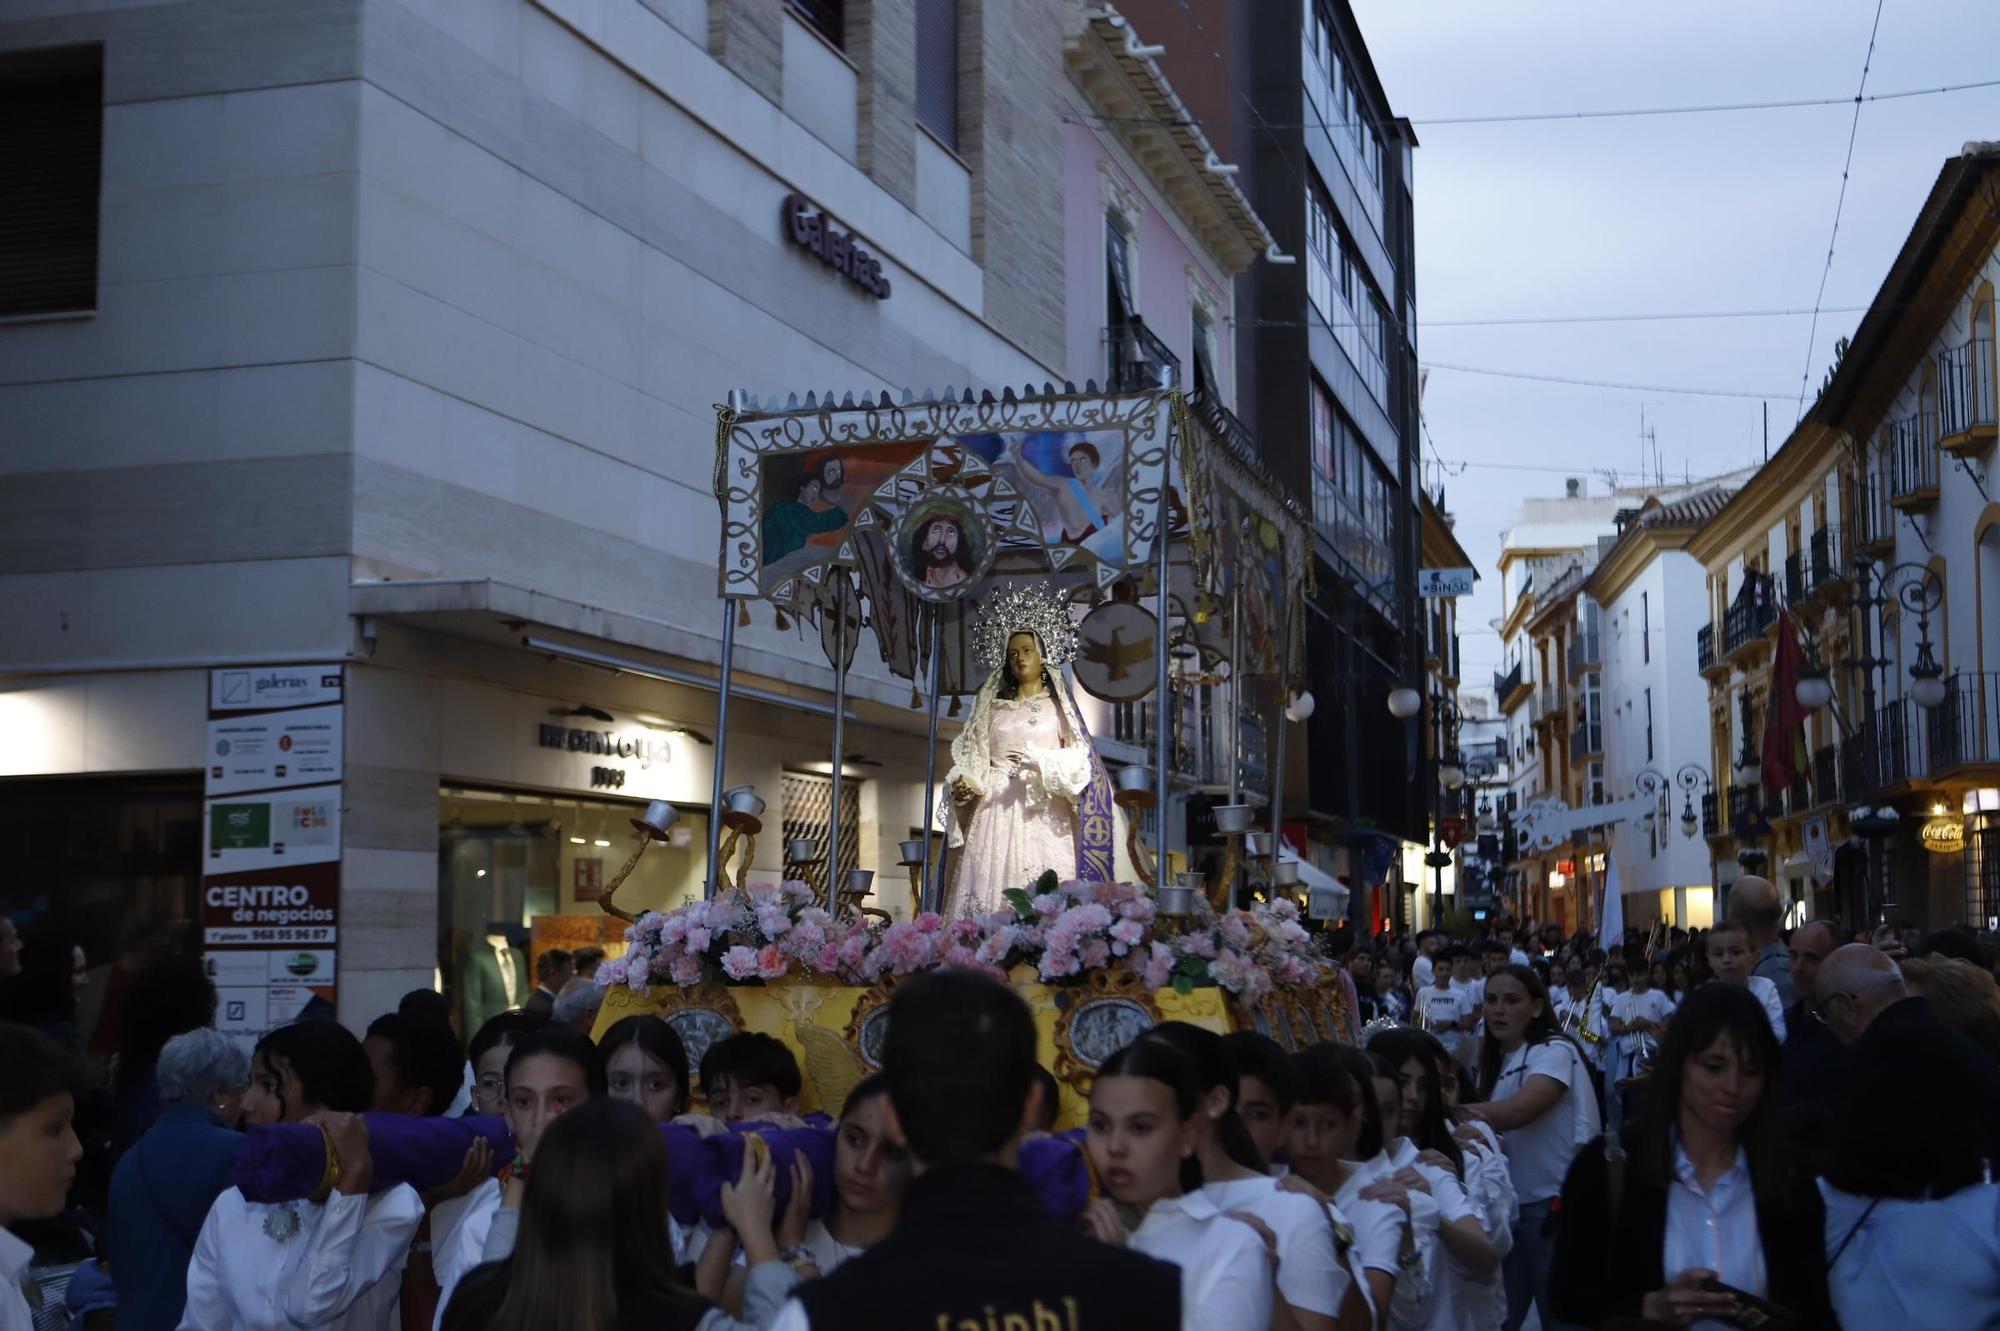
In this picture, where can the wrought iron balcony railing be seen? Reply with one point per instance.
(1965, 727)
(1135, 357)
(1585, 653)
(1704, 647)
(1913, 461)
(1966, 392)
(1795, 578)
(1829, 557)
(1749, 614)
(1224, 425)
(1586, 741)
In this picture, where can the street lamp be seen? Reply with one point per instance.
(1926, 675)
(1451, 776)
(1814, 690)
(1405, 702)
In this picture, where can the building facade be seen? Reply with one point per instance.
(389, 338)
(1872, 535)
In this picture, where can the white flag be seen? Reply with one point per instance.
(1611, 922)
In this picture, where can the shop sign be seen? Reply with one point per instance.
(270, 893)
(645, 746)
(809, 227)
(1943, 836)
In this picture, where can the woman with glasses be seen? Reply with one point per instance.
(1709, 1221)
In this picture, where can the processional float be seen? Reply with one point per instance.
(915, 519)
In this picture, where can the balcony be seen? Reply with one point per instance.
(1585, 654)
(1857, 773)
(1513, 688)
(1709, 827)
(1965, 728)
(1827, 570)
(1136, 357)
(1704, 651)
(1826, 773)
(1367, 555)
(1913, 463)
(1223, 424)
(1901, 735)
(1795, 578)
(1748, 616)
(1966, 406)
(1746, 811)
(1586, 742)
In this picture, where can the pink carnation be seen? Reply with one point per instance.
(996, 946)
(1125, 935)
(1231, 970)
(771, 963)
(1096, 955)
(687, 971)
(928, 923)
(1235, 929)
(698, 939)
(1200, 945)
(1056, 966)
(1159, 968)
(739, 963)
(772, 921)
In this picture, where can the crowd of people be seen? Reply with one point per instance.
(1740, 1126)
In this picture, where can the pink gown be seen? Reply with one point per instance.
(1026, 823)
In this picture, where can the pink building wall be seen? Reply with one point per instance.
(1161, 265)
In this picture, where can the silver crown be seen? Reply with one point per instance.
(1024, 607)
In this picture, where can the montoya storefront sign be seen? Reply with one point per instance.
(809, 227)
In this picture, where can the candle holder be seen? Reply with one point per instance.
(655, 824)
(1234, 822)
(1133, 792)
(916, 855)
(802, 861)
(743, 815)
(854, 889)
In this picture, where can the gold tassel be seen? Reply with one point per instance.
(783, 623)
(743, 614)
(916, 699)
(954, 706)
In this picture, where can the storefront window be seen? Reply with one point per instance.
(529, 869)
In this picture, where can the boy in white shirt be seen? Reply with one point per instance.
(1730, 960)
(38, 1153)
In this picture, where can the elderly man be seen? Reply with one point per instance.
(163, 1187)
(1756, 904)
(1912, 1228)
(1809, 1045)
(1913, 1103)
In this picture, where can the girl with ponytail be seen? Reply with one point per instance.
(1143, 1137)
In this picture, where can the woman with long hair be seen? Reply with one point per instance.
(1538, 1097)
(330, 1262)
(1142, 1135)
(592, 1253)
(1708, 1213)
(1488, 1182)
(1315, 1291)
(646, 1063)
(870, 1171)
(1426, 1157)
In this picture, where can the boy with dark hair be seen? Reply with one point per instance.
(748, 1075)
(973, 1245)
(553, 969)
(418, 1064)
(38, 1151)
(1265, 1090)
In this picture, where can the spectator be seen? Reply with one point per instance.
(1392, 999)
(426, 1003)
(1912, 1106)
(38, 1151)
(576, 1006)
(592, 1252)
(1959, 942)
(1708, 1194)
(1912, 1231)
(168, 998)
(1428, 944)
(553, 969)
(973, 1243)
(871, 1171)
(488, 1055)
(1963, 995)
(163, 1188)
(1729, 962)
(586, 960)
(749, 1075)
(1264, 1087)
(1756, 904)
(1809, 1046)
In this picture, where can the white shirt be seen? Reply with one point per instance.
(1416, 1280)
(1420, 972)
(1653, 1005)
(1460, 1298)
(1715, 1230)
(1490, 1188)
(1517, 958)
(1310, 1275)
(1925, 1266)
(337, 1272)
(15, 1315)
(458, 1239)
(1774, 1006)
(1558, 997)
(1225, 1269)
(1538, 1155)
(827, 1251)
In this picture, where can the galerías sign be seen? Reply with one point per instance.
(808, 226)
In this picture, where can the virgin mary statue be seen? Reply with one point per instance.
(1027, 792)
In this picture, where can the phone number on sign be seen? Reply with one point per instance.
(214, 937)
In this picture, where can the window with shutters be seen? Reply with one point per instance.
(51, 137)
(937, 69)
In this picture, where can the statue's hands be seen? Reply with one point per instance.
(962, 791)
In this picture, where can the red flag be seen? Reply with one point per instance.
(1784, 716)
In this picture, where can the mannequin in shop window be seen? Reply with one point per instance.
(495, 978)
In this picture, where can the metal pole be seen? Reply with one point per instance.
(1278, 758)
(927, 899)
(835, 820)
(1236, 692)
(1162, 690)
(721, 743)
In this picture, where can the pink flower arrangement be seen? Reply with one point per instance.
(1063, 930)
